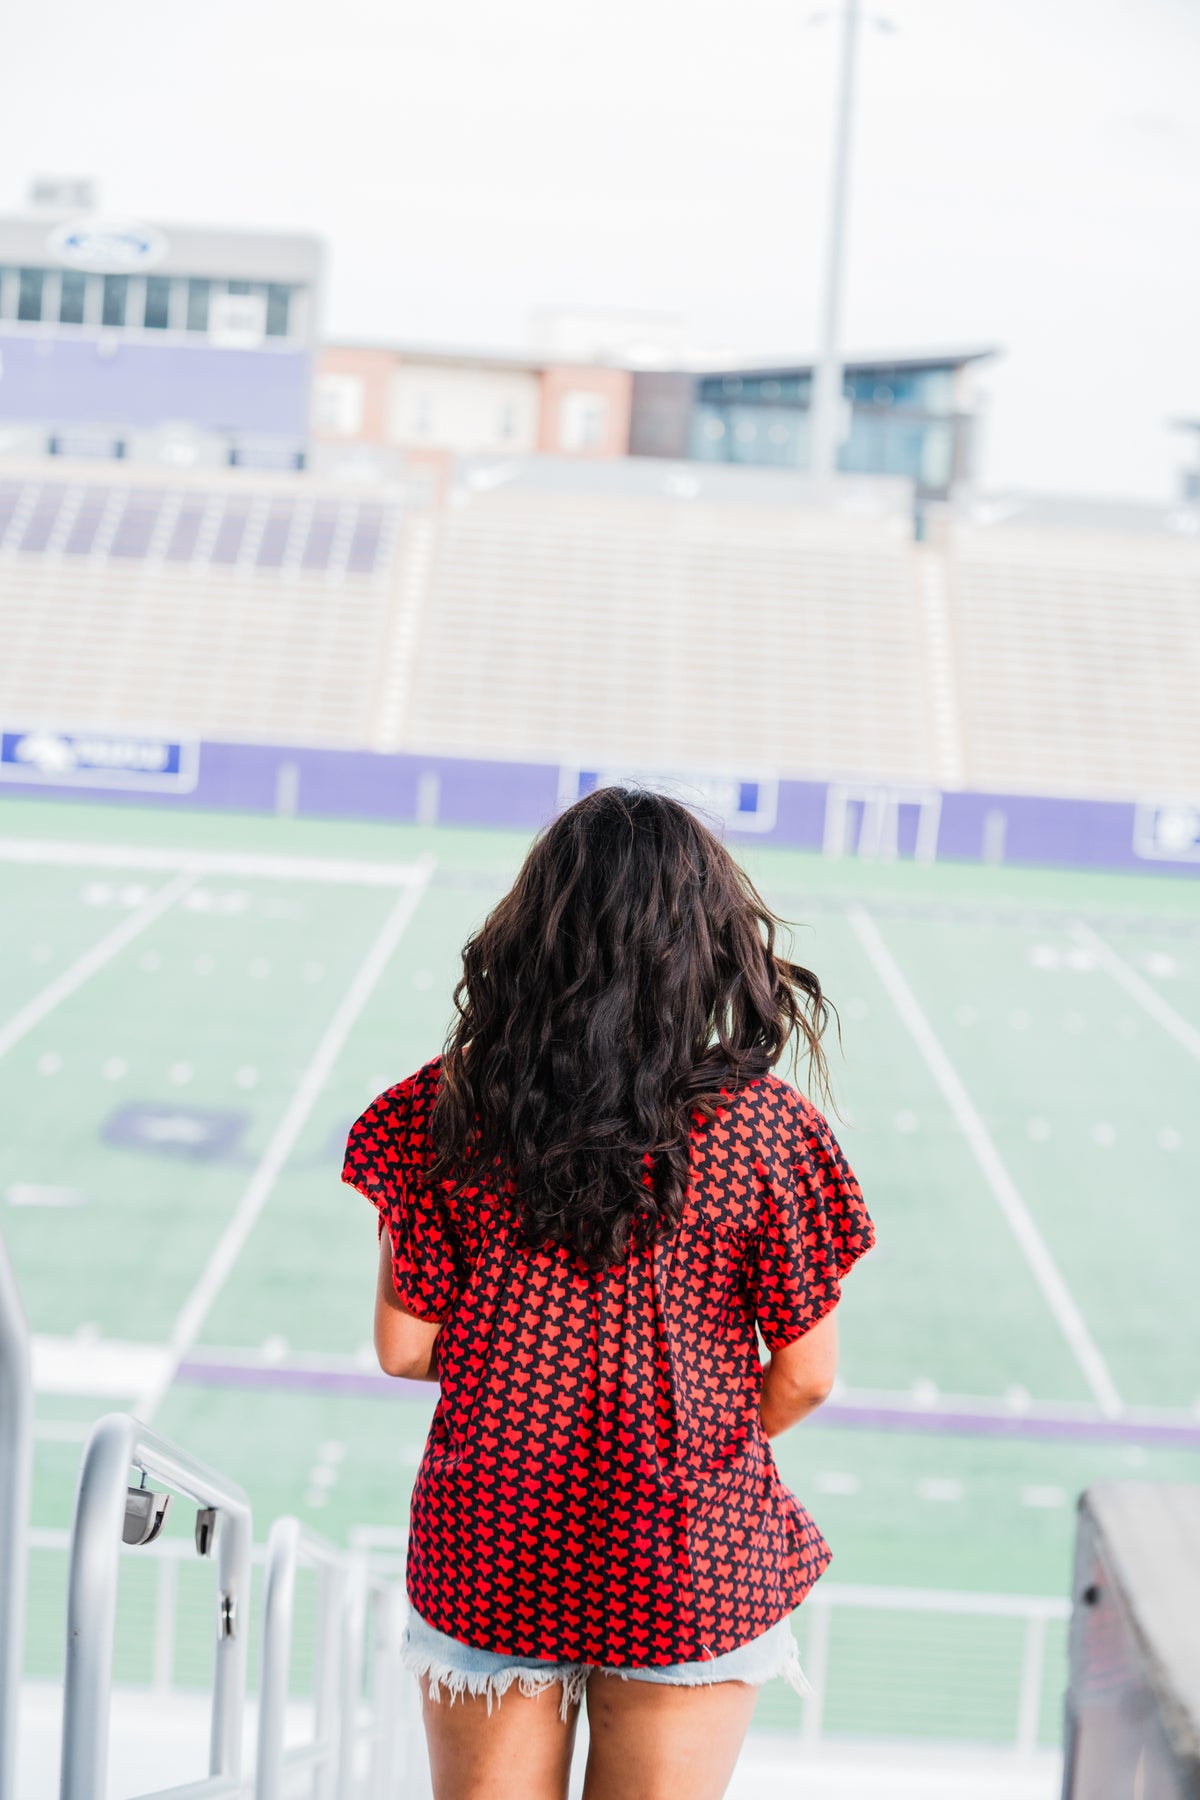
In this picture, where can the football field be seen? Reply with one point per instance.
(193, 1009)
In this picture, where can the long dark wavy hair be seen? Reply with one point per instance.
(628, 976)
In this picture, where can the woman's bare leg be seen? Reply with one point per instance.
(523, 1749)
(652, 1741)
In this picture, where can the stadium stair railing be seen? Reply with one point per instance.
(353, 1597)
(108, 1512)
(16, 1472)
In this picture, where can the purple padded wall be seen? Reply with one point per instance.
(362, 784)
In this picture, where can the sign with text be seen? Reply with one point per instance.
(98, 759)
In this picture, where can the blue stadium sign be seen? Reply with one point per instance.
(108, 246)
(1169, 833)
(736, 802)
(99, 759)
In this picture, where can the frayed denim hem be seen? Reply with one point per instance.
(529, 1681)
(789, 1671)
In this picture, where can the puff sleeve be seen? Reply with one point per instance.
(812, 1227)
(380, 1163)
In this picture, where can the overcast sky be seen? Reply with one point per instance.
(1027, 175)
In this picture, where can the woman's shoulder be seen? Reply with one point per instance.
(406, 1104)
(773, 1106)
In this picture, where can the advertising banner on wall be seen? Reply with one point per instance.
(99, 759)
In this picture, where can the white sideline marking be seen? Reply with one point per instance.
(92, 1366)
(1020, 1221)
(212, 862)
(1148, 998)
(64, 985)
(232, 1240)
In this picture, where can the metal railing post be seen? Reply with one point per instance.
(1033, 1665)
(16, 1471)
(354, 1625)
(329, 1723)
(816, 1667)
(288, 1545)
(118, 1444)
(92, 1606)
(279, 1594)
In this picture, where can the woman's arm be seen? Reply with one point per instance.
(404, 1344)
(799, 1377)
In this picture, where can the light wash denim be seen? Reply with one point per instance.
(462, 1668)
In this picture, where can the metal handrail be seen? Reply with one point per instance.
(118, 1443)
(16, 1474)
(289, 1546)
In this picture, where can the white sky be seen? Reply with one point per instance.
(1027, 173)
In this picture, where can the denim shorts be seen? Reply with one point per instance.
(462, 1668)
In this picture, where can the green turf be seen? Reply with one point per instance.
(1084, 1093)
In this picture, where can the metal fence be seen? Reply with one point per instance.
(926, 1665)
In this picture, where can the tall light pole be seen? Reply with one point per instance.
(828, 409)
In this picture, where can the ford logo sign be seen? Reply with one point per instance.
(107, 246)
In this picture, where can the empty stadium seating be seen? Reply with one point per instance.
(630, 616)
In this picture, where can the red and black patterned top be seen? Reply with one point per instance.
(596, 1486)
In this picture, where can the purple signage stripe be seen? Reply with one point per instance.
(368, 784)
(201, 1373)
(1045, 1426)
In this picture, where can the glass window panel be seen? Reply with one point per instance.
(710, 435)
(238, 287)
(197, 305)
(71, 297)
(29, 294)
(279, 301)
(937, 455)
(158, 302)
(905, 441)
(865, 449)
(135, 527)
(116, 294)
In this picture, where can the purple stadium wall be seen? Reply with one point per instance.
(351, 784)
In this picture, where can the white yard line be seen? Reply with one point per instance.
(233, 1239)
(1033, 1246)
(64, 985)
(1147, 997)
(339, 870)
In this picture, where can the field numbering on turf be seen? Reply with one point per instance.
(1033, 1246)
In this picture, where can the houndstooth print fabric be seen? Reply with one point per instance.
(596, 1485)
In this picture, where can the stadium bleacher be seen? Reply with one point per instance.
(543, 609)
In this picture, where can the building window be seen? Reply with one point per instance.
(197, 305)
(29, 294)
(338, 405)
(72, 293)
(583, 420)
(158, 302)
(116, 294)
(279, 301)
(508, 421)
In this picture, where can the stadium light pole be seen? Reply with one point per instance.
(827, 402)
